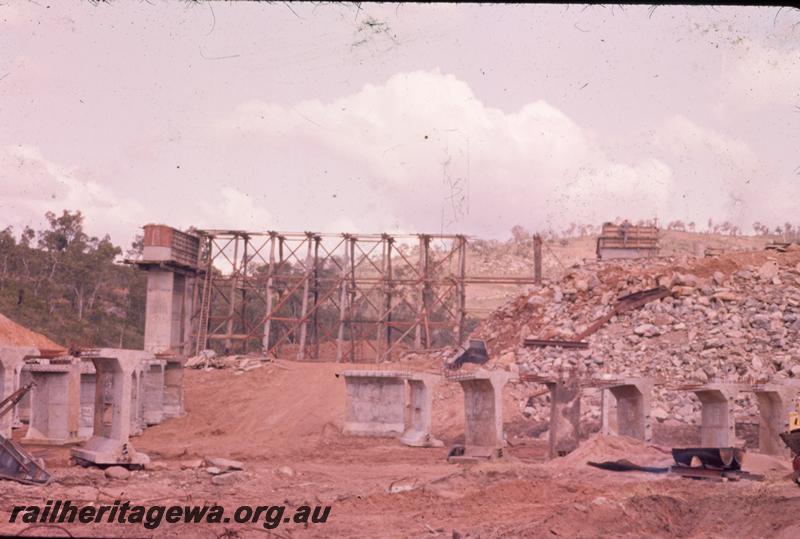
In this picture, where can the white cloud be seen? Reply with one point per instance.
(232, 209)
(434, 157)
(31, 185)
(760, 75)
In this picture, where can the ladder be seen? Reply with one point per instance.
(205, 311)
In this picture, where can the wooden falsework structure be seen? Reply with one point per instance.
(311, 295)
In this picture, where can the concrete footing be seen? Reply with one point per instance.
(375, 403)
(483, 413)
(717, 426)
(11, 363)
(565, 417)
(774, 404)
(114, 409)
(55, 402)
(632, 396)
(418, 433)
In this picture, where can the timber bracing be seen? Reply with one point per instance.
(352, 297)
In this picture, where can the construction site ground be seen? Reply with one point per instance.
(283, 422)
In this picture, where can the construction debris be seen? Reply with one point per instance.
(472, 351)
(18, 465)
(685, 319)
(208, 359)
(722, 458)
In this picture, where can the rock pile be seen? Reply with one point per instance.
(208, 359)
(734, 318)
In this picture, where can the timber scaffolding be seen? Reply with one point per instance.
(360, 296)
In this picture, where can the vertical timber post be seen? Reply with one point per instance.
(388, 296)
(315, 325)
(342, 301)
(243, 306)
(381, 325)
(232, 301)
(537, 258)
(462, 287)
(351, 299)
(420, 294)
(270, 277)
(301, 350)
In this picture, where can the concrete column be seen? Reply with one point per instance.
(632, 396)
(717, 426)
(483, 413)
(375, 403)
(153, 396)
(166, 311)
(110, 443)
(11, 363)
(88, 379)
(55, 403)
(774, 404)
(173, 387)
(565, 417)
(418, 433)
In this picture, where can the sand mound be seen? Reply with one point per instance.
(13, 334)
(610, 448)
(284, 407)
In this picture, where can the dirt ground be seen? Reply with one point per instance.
(283, 422)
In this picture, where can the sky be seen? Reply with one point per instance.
(396, 117)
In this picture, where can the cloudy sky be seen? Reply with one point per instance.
(396, 117)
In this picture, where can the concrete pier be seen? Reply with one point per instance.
(11, 363)
(375, 403)
(418, 433)
(483, 413)
(565, 417)
(114, 409)
(717, 426)
(774, 404)
(166, 314)
(55, 402)
(632, 396)
(170, 258)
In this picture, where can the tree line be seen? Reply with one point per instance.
(71, 286)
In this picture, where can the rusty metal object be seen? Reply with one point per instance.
(624, 465)
(472, 351)
(780, 246)
(792, 441)
(7, 404)
(721, 458)
(541, 343)
(625, 304)
(18, 465)
(715, 475)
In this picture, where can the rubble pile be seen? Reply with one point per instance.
(734, 318)
(208, 359)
